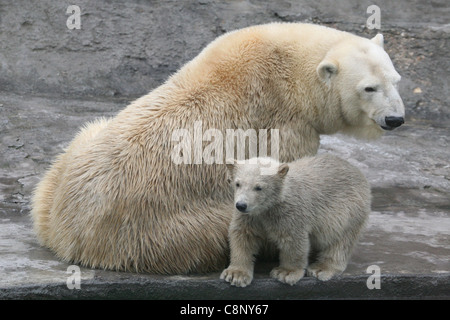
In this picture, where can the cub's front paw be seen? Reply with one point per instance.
(289, 276)
(237, 276)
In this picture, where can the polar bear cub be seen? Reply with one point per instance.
(314, 207)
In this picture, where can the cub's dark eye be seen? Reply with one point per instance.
(237, 185)
(370, 89)
(258, 188)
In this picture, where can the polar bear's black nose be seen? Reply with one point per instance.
(241, 206)
(394, 122)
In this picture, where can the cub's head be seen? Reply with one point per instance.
(257, 184)
(361, 73)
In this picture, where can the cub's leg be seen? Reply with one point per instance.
(331, 260)
(334, 254)
(245, 240)
(293, 259)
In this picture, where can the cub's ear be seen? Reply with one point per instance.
(283, 170)
(231, 167)
(379, 40)
(326, 70)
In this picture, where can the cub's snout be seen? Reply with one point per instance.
(241, 206)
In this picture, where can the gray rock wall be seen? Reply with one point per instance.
(126, 48)
(53, 80)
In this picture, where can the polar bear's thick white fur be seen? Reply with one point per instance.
(115, 199)
(312, 207)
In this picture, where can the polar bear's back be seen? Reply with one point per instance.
(327, 183)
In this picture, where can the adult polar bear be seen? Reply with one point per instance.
(115, 199)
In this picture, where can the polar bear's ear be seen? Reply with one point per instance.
(283, 170)
(326, 70)
(379, 40)
(231, 166)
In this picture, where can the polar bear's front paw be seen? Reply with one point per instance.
(238, 277)
(289, 276)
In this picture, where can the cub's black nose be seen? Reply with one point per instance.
(394, 122)
(241, 206)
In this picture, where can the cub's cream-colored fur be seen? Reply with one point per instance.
(315, 206)
(115, 199)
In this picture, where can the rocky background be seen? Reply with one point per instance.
(126, 48)
(53, 79)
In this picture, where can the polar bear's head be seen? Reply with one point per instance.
(362, 75)
(257, 184)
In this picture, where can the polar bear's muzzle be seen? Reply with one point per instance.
(393, 122)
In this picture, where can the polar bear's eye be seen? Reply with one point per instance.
(258, 188)
(370, 89)
(238, 184)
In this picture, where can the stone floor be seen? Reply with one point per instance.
(407, 236)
